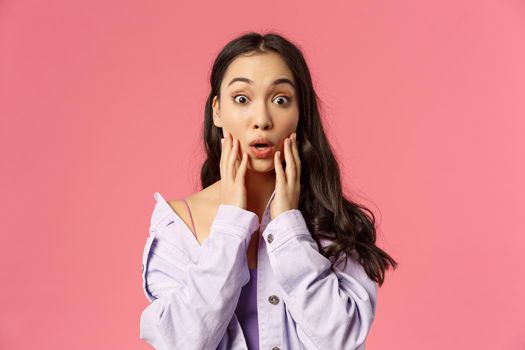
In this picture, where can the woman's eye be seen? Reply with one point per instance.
(237, 100)
(281, 98)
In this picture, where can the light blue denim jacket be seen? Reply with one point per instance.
(193, 289)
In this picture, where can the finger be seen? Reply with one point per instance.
(228, 144)
(226, 150)
(290, 162)
(232, 157)
(295, 151)
(225, 146)
(222, 161)
(226, 155)
(242, 169)
(238, 156)
(237, 163)
(279, 172)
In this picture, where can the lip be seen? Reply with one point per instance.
(262, 154)
(261, 140)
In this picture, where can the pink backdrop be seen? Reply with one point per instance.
(101, 104)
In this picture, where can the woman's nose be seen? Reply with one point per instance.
(262, 118)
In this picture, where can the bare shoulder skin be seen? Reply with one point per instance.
(204, 205)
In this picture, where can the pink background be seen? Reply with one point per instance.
(101, 104)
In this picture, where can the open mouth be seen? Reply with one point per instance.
(260, 146)
(261, 150)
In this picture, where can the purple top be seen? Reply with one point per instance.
(246, 311)
(301, 302)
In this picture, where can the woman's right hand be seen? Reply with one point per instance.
(233, 170)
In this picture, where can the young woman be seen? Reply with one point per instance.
(255, 259)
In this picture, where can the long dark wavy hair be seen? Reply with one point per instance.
(348, 225)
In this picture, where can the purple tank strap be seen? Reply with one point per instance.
(191, 217)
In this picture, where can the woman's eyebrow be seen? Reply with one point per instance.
(275, 82)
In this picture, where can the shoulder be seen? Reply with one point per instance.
(181, 209)
(178, 206)
(199, 203)
(164, 208)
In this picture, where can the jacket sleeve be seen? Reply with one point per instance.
(192, 303)
(333, 310)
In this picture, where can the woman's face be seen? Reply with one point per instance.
(262, 103)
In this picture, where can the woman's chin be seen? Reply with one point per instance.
(261, 165)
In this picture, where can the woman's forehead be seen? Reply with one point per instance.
(257, 69)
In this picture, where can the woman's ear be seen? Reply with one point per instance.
(216, 115)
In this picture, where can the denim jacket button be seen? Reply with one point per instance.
(273, 299)
(270, 238)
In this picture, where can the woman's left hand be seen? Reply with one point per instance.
(287, 184)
